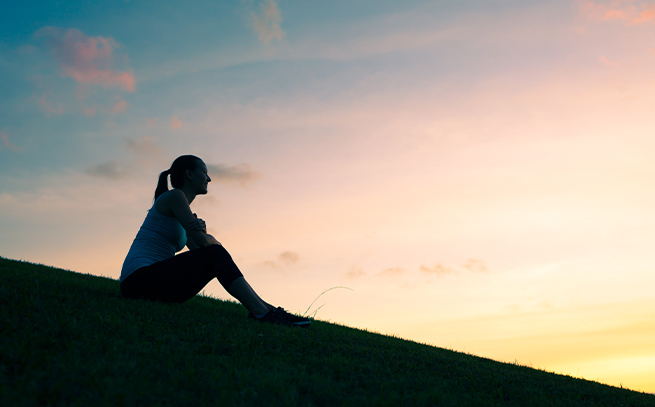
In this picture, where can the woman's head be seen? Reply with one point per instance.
(181, 171)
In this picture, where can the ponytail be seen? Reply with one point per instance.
(162, 185)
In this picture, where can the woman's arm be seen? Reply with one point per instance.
(199, 225)
(213, 240)
(192, 245)
(175, 203)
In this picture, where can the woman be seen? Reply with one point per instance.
(152, 270)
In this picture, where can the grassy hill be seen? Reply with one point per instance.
(69, 339)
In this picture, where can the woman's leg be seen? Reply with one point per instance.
(180, 278)
(241, 290)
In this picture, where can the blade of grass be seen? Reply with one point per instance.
(320, 295)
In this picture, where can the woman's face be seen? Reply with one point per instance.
(199, 178)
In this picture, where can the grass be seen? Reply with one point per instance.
(69, 339)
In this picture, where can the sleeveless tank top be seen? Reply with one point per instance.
(159, 238)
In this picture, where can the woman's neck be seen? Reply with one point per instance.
(190, 195)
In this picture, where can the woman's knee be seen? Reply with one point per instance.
(217, 251)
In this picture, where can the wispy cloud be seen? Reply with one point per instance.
(50, 107)
(471, 265)
(438, 269)
(605, 61)
(628, 11)
(242, 173)
(175, 123)
(145, 153)
(6, 143)
(120, 107)
(392, 271)
(355, 272)
(109, 169)
(88, 60)
(89, 111)
(289, 258)
(285, 259)
(476, 266)
(266, 22)
(144, 146)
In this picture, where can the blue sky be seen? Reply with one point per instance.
(465, 168)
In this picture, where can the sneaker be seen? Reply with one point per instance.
(252, 316)
(281, 317)
(295, 320)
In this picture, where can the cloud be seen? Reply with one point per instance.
(109, 169)
(120, 107)
(143, 146)
(392, 271)
(86, 59)
(287, 258)
(89, 111)
(472, 265)
(607, 62)
(437, 269)
(6, 144)
(241, 173)
(355, 272)
(49, 107)
(146, 151)
(618, 10)
(175, 123)
(646, 15)
(266, 22)
(476, 266)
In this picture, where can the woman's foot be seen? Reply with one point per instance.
(281, 317)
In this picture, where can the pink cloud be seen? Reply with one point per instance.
(628, 11)
(145, 147)
(4, 136)
(266, 23)
(89, 111)
(152, 122)
(476, 266)
(615, 15)
(355, 272)
(120, 107)
(437, 269)
(175, 123)
(392, 271)
(607, 62)
(49, 107)
(289, 257)
(646, 15)
(86, 59)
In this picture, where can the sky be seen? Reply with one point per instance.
(474, 175)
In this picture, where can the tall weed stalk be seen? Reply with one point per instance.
(320, 295)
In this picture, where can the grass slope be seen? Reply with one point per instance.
(69, 339)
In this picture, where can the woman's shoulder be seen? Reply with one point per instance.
(172, 194)
(166, 201)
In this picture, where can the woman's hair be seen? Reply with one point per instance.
(177, 172)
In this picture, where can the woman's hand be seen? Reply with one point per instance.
(212, 240)
(175, 202)
(198, 224)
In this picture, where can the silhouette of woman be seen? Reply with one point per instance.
(153, 271)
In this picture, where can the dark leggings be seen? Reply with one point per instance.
(180, 278)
